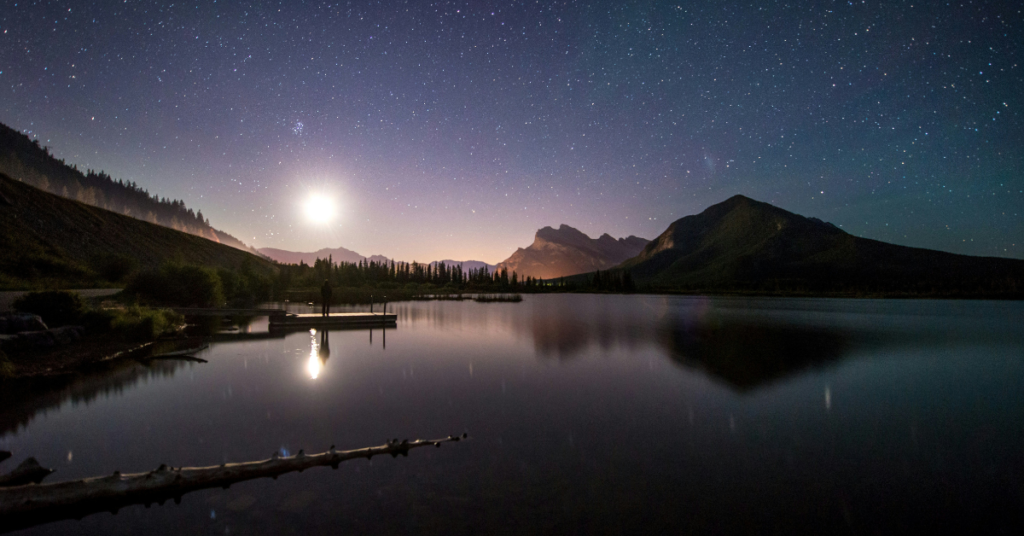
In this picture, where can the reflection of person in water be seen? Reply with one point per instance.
(325, 293)
(325, 346)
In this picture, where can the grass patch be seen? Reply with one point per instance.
(136, 323)
(132, 323)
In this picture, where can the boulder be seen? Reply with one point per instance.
(45, 338)
(67, 334)
(18, 322)
(34, 339)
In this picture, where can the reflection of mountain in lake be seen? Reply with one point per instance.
(742, 348)
(559, 331)
(22, 400)
(749, 355)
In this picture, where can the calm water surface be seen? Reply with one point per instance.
(588, 414)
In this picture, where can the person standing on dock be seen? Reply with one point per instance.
(325, 293)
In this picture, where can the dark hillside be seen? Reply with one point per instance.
(25, 160)
(49, 241)
(746, 245)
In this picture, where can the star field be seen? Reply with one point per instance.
(457, 129)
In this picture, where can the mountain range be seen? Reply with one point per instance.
(567, 251)
(747, 245)
(338, 254)
(740, 245)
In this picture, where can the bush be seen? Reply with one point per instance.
(245, 288)
(144, 324)
(6, 367)
(230, 283)
(57, 307)
(133, 323)
(98, 320)
(177, 284)
(257, 288)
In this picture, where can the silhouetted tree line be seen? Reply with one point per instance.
(24, 159)
(391, 274)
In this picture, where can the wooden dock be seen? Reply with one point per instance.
(335, 320)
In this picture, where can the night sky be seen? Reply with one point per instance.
(457, 129)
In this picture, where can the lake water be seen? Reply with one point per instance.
(587, 414)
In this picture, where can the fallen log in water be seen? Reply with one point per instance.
(185, 352)
(27, 472)
(35, 504)
(184, 355)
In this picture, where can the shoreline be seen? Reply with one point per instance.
(79, 357)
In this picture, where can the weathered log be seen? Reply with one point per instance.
(185, 352)
(4, 455)
(27, 472)
(35, 504)
(191, 358)
(184, 355)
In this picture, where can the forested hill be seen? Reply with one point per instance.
(47, 241)
(23, 159)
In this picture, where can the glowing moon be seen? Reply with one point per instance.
(319, 209)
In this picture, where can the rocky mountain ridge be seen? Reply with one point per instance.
(568, 251)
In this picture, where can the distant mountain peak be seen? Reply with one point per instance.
(338, 254)
(568, 251)
(563, 233)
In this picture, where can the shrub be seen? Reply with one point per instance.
(245, 287)
(56, 307)
(144, 324)
(229, 282)
(178, 284)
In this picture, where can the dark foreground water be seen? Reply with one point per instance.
(588, 414)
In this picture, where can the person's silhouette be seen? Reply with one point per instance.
(324, 351)
(325, 294)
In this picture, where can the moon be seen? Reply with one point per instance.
(319, 209)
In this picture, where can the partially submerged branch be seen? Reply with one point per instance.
(185, 352)
(33, 504)
(183, 355)
(27, 472)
